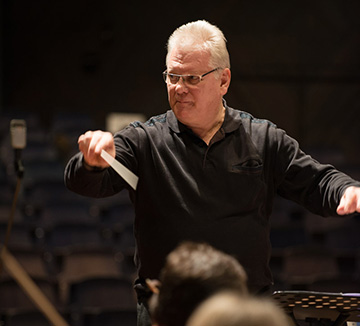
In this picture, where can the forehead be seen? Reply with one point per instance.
(188, 60)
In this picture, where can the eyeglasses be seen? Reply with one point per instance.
(190, 80)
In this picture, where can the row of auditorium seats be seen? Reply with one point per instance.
(77, 227)
(93, 222)
(314, 253)
(107, 317)
(85, 285)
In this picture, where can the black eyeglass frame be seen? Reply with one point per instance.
(186, 78)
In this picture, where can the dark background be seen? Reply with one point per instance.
(293, 62)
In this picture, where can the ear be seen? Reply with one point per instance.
(153, 285)
(225, 80)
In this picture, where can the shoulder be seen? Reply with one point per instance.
(248, 118)
(261, 132)
(155, 127)
(154, 120)
(250, 123)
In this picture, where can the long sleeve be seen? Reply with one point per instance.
(97, 183)
(318, 187)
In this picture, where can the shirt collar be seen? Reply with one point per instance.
(172, 121)
(232, 120)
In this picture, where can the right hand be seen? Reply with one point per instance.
(92, 143)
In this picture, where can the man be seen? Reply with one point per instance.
(207, 172)
(192, 273)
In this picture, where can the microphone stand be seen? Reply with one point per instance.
(20, 173)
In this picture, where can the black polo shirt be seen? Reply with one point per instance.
(221, 194)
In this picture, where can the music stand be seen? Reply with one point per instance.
(332, 308)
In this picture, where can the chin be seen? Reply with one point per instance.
(183, 110)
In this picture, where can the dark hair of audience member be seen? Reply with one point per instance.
(192, 273)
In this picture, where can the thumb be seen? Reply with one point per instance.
(341, 208)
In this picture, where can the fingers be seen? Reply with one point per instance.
(350, 201)
(92, 143)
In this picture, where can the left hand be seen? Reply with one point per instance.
(350, 201)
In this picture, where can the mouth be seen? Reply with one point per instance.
(182, 102)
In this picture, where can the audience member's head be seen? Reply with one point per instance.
(192, 273)
(230, 309)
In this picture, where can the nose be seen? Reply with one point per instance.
(181, 87)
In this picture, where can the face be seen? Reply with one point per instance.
(197, 106)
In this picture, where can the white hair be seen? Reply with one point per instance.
(203, 36)
(231, 309)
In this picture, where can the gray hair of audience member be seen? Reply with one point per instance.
(192, 272)
(203, 36)
(230, 309)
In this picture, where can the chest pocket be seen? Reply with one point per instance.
(251, 166)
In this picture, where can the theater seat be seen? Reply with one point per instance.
(24, 317)
(12, 295)
(306, 264)
(111, 318)
(104, 293)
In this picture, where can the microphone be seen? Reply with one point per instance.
(18, 142)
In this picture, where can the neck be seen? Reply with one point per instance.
(206, 134)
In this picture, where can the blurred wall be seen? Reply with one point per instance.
(293, 62)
